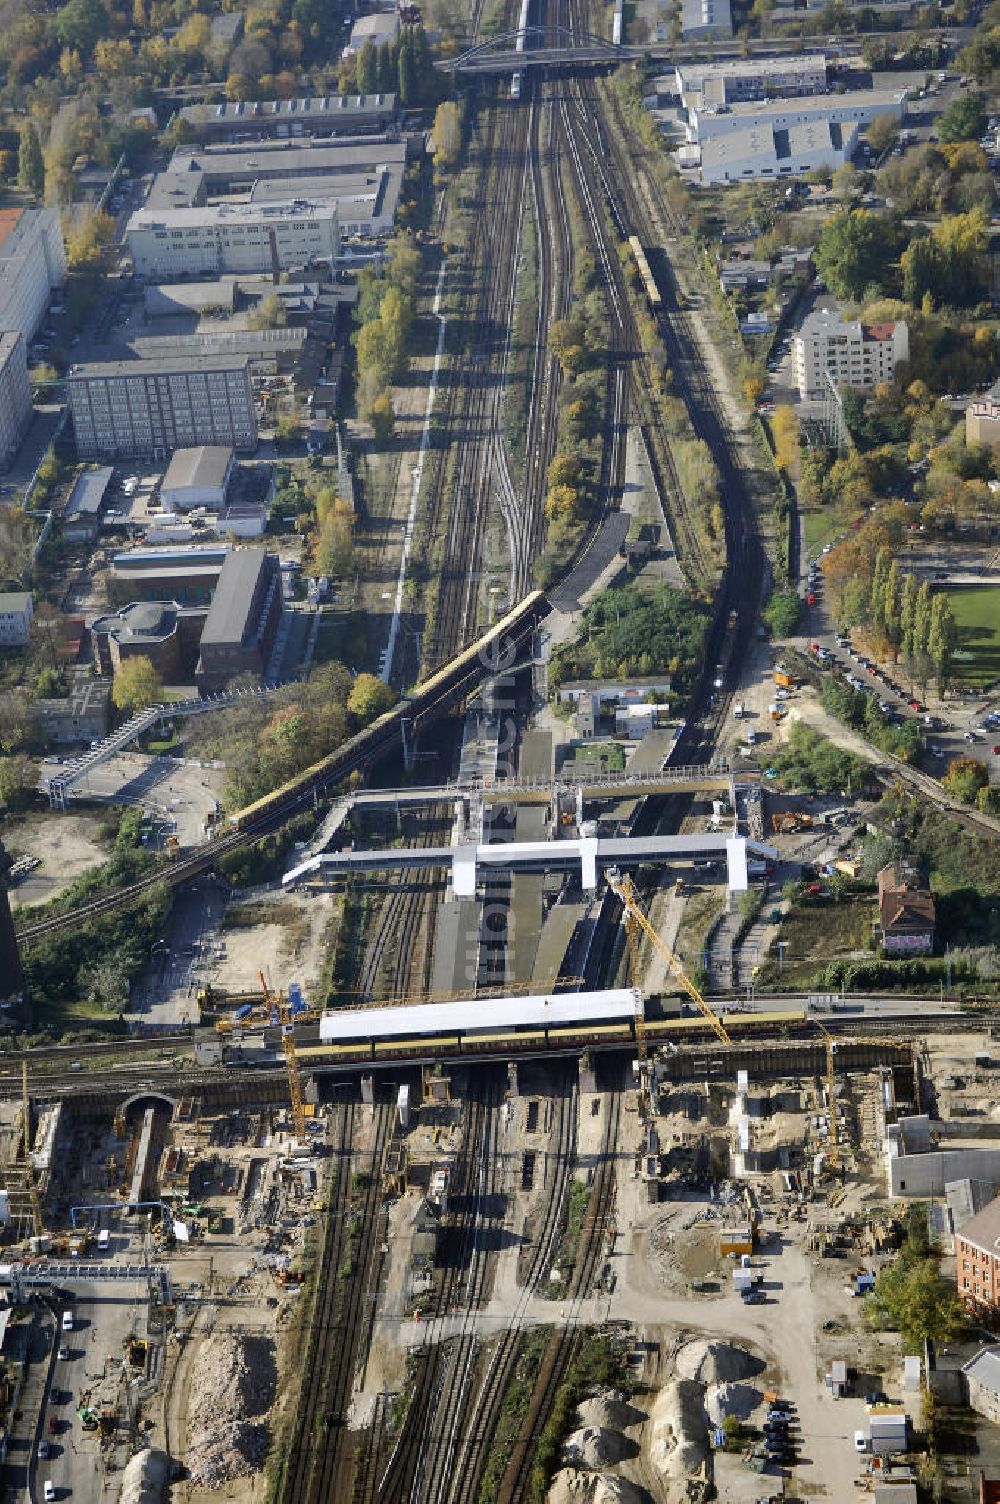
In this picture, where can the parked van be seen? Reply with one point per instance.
(103, 1240)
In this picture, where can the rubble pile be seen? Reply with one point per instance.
(232, 1388)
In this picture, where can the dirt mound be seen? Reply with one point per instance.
(611, 1410)
(714, 1362)
(574, 1487)
(679, 1443)
(740, 1400)
(146, 1479)
(597, 1447)
(232, 1388)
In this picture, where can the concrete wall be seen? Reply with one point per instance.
(927, 1174)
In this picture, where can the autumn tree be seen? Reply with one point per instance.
(447, 135)
(88, 241)
(270, 313)
(334, 541)
(785, 431)
(942, 637)
(369, 697)
(137, 684)
(30, 164)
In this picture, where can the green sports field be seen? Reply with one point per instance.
(977, 612)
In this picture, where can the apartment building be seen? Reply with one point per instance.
(32, 266)
(15, 396)
(221, 238)
(850, 353)
(977, 1261)
(702, 85)
(16, 612)
(149, 408)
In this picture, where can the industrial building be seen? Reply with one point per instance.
(270, 352)
(856, 108)
(167, 634)
(187, 575)
(233, 238)
(765, 151)
(849, 353)
(702, 19)
(148, 408)
(82, 716)
(243, 622)
(255, 119)
(198, 478)
(15, 395)
(82, 516)
(16, 612)
(734, 80)
(228, 169)
(32, 266)
(380, 28)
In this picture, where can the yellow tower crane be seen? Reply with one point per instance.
(29, 1169)
(621, 884)
(831, 1046)
(294, 1077)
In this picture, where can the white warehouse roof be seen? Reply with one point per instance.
(480, 1014)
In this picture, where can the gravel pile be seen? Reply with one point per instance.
(715, 1362)
(231, 1390)
(679, 1443)
(146, 1479)
(740, 1400)
(574, 1487)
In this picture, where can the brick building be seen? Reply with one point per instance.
(977, 1261)
(243, 621)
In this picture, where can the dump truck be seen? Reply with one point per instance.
(788, 821)
(782, 679)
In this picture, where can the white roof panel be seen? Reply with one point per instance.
(473, 1014)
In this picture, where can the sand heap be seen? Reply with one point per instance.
(574, 1487)
(146, 1479)
(708, 1386)
(712, 1361)
(232, 1388)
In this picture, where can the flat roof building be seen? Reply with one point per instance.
(230, 168)
(149, 408)
(243, 620)
(857, 107)
(32, 266)
(380, 28)
(330, 115)
(15, 395)
(16, 612)
(165, 633)
(762, 151)
(706, 18)
(737, 79)
(233, 238)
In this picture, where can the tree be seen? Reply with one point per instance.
(369, 697)
(564, 470)
(964, 119)
(561, 504)
(366, 67)
(892, 604)
(964, 778)
(782, 613)
(912, 1297)
(270, 313)
(30, 164)
(81, 23)
(447, 135)
(409, 73)
(382, 416)
(88, 242)
(882, 132)
(922, 620)
(907, 609)
(568, 343)
(883, 561)
(856, 250)
(785, 430)
(137, 684)
(334, 542)
(942, 637)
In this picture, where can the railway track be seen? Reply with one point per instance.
(321, 1458)
(418, 1465)
(480, 1423)
(565, 1341)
